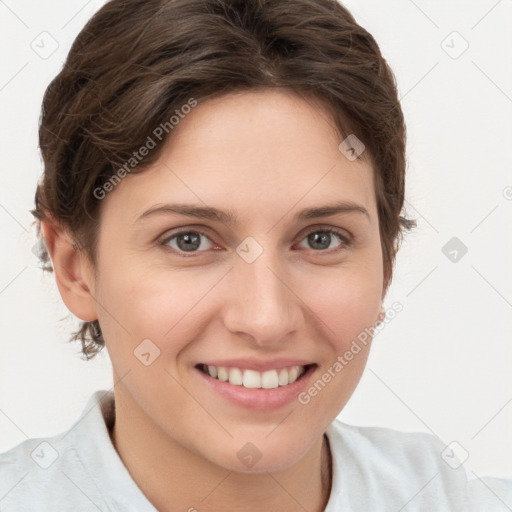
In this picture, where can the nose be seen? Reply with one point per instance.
(261, 301)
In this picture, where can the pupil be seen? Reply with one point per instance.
(325, 237)
(192, 242)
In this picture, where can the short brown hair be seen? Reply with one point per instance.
(137, 61)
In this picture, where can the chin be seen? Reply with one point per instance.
(261, 457)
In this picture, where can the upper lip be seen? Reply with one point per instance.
(258, 364)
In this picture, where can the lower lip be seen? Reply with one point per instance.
(260, 399)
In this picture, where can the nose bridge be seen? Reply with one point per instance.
(262, 304)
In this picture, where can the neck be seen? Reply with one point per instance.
(173, 478)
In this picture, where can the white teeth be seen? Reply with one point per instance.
(235, 376)
(269, 379)
(253, 379)
(293, 374)
(222, 374)
(283, 377)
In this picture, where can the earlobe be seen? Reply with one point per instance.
(71, 271)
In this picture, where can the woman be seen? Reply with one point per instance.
(221, 206)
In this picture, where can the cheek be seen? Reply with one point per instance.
(346, 302)
(160, 305)
(347, 309)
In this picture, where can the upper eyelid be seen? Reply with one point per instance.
(168, 235)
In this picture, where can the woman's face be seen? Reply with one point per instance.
(254, 291)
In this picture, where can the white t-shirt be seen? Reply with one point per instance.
(374, 470)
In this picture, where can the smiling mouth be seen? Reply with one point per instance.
(253, 379)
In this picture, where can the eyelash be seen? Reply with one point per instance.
(346, 241)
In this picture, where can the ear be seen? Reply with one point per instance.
(73, 272)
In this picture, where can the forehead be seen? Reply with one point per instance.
(252, 152)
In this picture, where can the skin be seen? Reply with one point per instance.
(265, 155)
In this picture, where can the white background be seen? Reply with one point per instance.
(443, 364)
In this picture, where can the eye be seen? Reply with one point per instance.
(193, 241)
(321, 239)
(188, 241)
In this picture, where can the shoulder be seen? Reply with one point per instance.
(413, 468)
(53, 472)
(78, 469)
(43, 471)
(395, 447)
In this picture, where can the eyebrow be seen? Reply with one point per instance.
(230, 217)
